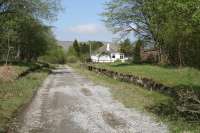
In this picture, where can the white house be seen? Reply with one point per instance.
(107, 54)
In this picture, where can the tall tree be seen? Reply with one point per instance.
(125, 16)
(25, 19)
(76, 47)
(126, 48)
(171, 25)
(137, 52)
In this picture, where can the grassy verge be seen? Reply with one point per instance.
(169, 76)
(15, 94)
(148, 101)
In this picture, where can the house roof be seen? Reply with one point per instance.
(113, 49)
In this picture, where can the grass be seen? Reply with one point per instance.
(136, 97)
(170, 76)
(15, 94)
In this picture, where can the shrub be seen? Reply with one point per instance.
(56, 55)
(118, 61)
(72, 59)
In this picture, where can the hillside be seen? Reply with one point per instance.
(65, 44)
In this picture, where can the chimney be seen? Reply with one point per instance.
(108, 47)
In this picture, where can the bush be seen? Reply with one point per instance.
(118, 61)
(56, 55)
(72, 59)
(72, 55)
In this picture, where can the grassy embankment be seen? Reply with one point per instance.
(169, 76)
(18, 92)
(136, 97)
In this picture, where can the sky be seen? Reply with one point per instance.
(81, 20)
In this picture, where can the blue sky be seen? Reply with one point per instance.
(81, 20)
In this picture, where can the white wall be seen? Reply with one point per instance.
(117, 57)
(107, 58)
(102, 59)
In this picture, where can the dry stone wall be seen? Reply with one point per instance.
(187, 100)
(140, 81)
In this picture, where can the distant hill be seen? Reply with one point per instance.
(65, 44)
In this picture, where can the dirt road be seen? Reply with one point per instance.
(70, 103)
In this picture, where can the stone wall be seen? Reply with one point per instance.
(187, 100)
(140, 81)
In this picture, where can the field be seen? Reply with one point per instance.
(146, 101)
(170, 76)
(18, 92)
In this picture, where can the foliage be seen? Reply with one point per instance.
(72, 59)
(137, 52)
(80, 51)
(118, 61)
(55, 55)
(95, 45)
(170, 25)
(126, 48)
(23, 30)
(76, 48)
(71, 55)
(39, 9)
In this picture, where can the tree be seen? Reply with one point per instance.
(126, 48)
(30, 38)
(137, 52)
(84, 49)
(125, 16)
(170, 25)
(39, 9)
(76, 47)
(81, 50)
(95, 45)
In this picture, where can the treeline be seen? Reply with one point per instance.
(80, 51)
(172, 26)
(24, 36)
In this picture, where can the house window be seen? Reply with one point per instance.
(121, 56)
(113, 56)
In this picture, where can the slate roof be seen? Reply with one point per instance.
(113, 49)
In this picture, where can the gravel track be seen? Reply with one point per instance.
(70, 103)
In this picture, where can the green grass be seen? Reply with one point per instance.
(172, 77)
(136, 97)
(14, 95)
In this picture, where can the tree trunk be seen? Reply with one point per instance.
(8, 53)
(18, 53)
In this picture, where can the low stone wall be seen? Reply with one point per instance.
(187, 100)
(143, 82)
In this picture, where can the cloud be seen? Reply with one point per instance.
(89, 29)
